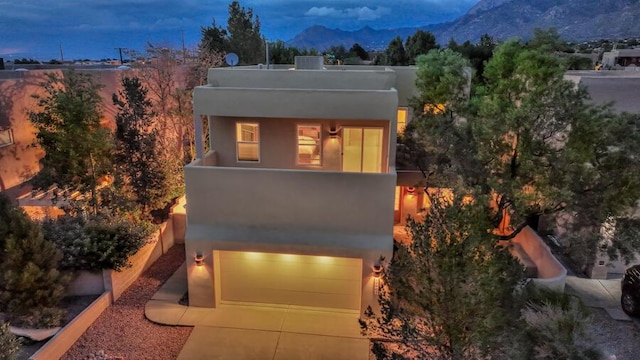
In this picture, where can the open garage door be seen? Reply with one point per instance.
(315, 281)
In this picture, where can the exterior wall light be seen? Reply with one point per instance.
(377, 271)
(199, 258)
(333, 132)
(377, 274)
(411, 190)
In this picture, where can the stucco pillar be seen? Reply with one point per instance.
(198, 133)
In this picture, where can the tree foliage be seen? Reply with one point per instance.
(141, 175)
(68, 128)
(96, 242)
(421, 42)
(449, 292)
(394, 55)
(532, 141)
(244, 34)
(30, 282)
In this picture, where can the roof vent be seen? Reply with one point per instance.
(309, 62)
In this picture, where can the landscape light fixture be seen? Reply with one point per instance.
(199, 258)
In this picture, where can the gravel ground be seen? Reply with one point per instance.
(123, 332)
(614, 337)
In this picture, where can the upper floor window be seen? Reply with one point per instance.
(6, 137)
(248, 141)
(402, 119)
(308, 149)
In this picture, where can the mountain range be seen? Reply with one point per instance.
(575, 20)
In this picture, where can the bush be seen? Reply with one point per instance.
(9, 343)
(98, 242)
(556, 327)
(29, 276)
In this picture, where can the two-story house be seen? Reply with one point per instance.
(294, 202)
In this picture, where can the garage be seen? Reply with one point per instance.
(285, 279)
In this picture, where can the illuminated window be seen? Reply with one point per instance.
(248, 141)
(309, 144)
(6, 137)
(402, 119)
(362, 150)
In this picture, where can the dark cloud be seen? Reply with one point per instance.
(93, 28)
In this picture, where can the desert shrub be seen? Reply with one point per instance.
(556, 327)
(29, 275)
(9, 343)
(97, 242)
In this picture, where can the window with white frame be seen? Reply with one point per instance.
(248, 141)
(309, 148)
(6, 137)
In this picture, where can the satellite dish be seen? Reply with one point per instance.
(231, 59)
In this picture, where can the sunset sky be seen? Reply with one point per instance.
(94, 28)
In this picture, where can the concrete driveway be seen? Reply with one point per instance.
(238, 332)
(245, 332)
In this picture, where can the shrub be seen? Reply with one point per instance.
(556, 327)
(29, 276)
(97, 242)
(9, 343)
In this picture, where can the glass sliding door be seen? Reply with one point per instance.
(362, 149)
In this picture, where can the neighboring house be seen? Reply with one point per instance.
(294, 202)
(621, 90)
(621, 58)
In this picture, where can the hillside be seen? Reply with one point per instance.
(575, 20)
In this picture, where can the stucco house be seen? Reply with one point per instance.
(294, 202)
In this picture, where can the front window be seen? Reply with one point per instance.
(6, 137)
(309, 151)
(248, 141)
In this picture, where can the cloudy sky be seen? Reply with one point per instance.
(94, 28)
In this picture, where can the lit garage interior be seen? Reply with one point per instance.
(285, 279)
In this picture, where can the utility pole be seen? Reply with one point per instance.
(61, 55)
(120, 50)
(184, 51)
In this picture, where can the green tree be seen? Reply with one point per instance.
(529, 138)
(357, 50)
(31, 287)
(421, 42)
(214, 39)
(449, 293)
(478, 54)
(394, 55)
(244, 34)
(141, 174)
(68, 128)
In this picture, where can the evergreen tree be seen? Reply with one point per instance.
(421, 42)
(141, 174)
(449, 293)
(394, 55)
(244, 34)
(30, 284)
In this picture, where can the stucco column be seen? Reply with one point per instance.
(198, 133)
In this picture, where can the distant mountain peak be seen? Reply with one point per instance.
(502, 19)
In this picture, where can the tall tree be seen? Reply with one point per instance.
(141, 171)
(421, 42)
(529, 139)
(448, 293)
(394, 55)
(68, 128)
(244, 34)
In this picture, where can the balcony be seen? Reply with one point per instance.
(283, 205)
